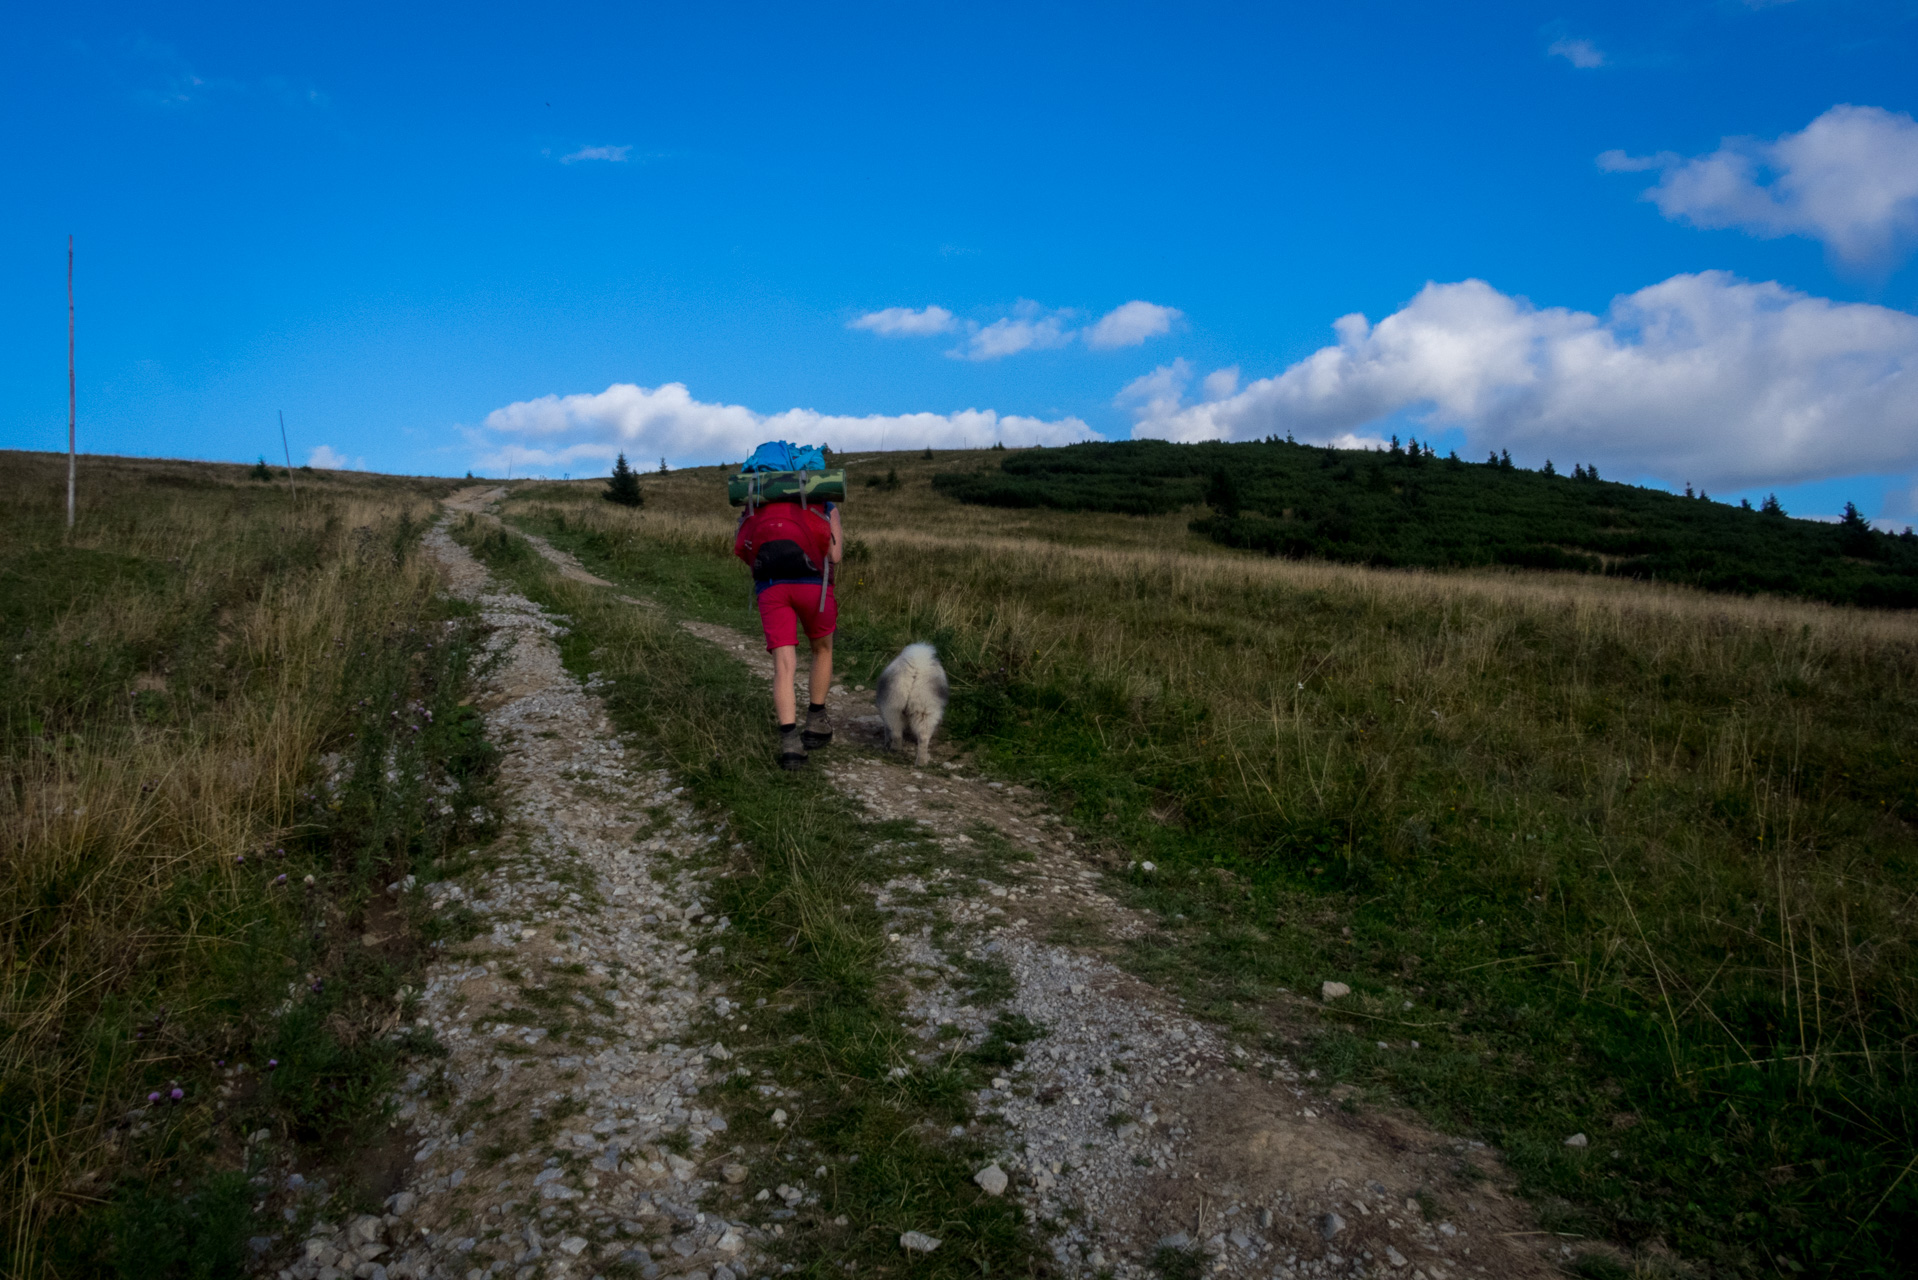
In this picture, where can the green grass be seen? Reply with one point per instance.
(830, 1029)
(1405, 508)
(1642, 862)
(175, 672)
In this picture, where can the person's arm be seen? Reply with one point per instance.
(837, 539)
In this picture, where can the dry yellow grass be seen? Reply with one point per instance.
(174, 666)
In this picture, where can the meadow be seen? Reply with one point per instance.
(1598, 856)
(231, 714)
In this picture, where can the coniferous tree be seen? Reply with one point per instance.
(1855, 534)
(1771, 506)
(623, 488)
(259, 471)
(1550, 470)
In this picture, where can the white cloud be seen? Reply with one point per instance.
(1032, 331)
(1582, 54)
(327, 458)
(1702, 377)
(1131, 324)
(616, 155)
(665, 421)
(1030, 327)
(1221, 383)
(1848, 179)
(905, 322)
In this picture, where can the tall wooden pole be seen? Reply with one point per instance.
(289, 456)
(72, 402)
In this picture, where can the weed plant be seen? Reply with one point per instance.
(228, 720)
(806, 954)
(1625, 860)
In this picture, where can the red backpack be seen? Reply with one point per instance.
(784, 542)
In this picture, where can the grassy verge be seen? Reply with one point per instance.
(228, 722)
(806, 952)
(1625, 862)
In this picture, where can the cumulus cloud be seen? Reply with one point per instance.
(1582, 54)
(904, 322)
(553, 432)
(1030, 327)
(327, 458)
(1848, 179)
(1131, 324)
(1702, 377)
(616, 155)
(1032, 331)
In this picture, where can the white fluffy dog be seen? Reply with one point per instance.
(912, 695)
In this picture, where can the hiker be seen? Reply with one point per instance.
(793, 547)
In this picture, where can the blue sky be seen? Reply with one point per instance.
(455, 238)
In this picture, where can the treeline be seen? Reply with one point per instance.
(1408, 507)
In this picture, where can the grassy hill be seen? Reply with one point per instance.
(1640, 860)
(1412, 509)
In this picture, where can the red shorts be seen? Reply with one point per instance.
(784, 607)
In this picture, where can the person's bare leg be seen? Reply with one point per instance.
(785, 669)
(818, 723)
(821, 682)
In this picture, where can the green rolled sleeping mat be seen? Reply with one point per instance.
(786, 486)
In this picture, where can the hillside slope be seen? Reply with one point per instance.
(1412, 509)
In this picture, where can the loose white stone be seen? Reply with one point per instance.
(1334, 991)
(917, 1242)
(992, 1180)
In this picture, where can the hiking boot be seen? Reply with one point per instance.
(792, 749)
(818, 731)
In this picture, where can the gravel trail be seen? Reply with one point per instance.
(564, 1132)
(1129, 1126)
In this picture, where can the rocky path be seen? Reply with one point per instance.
(563, 1130)
(563, 1135)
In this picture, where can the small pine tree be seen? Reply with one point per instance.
(662, 466)
(929, 451)
(623, 488)
(1550, 470)
(1771, 506)
(1744, 504)
(259, 471)
(1505, 460)
(1855, 534)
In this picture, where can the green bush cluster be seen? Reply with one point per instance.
(1406, 507)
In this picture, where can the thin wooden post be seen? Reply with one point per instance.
(290, 487)
(72, 400)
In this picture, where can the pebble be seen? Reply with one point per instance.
(917, 1242)
(992, 1180)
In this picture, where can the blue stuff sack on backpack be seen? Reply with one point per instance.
(777, 455)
